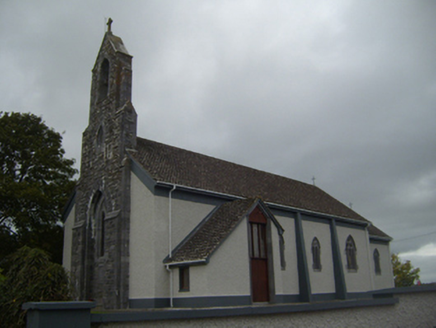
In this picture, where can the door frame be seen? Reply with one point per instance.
(269, 254)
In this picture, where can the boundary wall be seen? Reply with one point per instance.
(396, 307)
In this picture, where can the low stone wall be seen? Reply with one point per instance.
(400, 307)
(416, 307)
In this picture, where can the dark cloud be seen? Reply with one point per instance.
(343, 91)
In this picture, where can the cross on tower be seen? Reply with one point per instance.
(109, 23)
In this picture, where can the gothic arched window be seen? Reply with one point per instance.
(97, 219)
(103, 80)
(350, 251)
(316, 255)
(377, 267)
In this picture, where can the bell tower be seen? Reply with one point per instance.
(100, 259)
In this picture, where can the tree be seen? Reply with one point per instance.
(35, 183)
(31, 277)
(404, 273)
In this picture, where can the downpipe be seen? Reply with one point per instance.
(170, 246)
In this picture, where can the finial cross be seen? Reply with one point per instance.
(313, 179)
(109, 24)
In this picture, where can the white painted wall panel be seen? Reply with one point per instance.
(321, 281)
(360, 281)
(142, 247)
(227, 273)
(186, 215)
(286, 281)
(149, 237)
(275, 248)
(385, 279)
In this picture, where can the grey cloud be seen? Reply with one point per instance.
(343, 91)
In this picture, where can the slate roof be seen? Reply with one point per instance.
(186, 168)
(211, 232)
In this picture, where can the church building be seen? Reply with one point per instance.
(151, 225)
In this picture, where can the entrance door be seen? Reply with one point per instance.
(258, 257)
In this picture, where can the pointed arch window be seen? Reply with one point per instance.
(103, 80)
(98, 222)
(377, 266)
(350, 251)
(316, 255)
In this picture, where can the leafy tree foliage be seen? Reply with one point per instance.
(31, 277)
(404, 273)
(35, 183)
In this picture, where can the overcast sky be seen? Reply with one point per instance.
(344, 91)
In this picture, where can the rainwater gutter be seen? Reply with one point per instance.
(195, 262)
(366, 223)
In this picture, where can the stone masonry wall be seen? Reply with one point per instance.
(111, 129)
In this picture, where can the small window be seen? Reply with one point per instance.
(316, 255)
(184, 279)
(377, 267)
(350, 251)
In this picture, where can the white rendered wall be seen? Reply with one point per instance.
(320, 281)
(68, 239)
(186, 215)
(275, 249)
(226, 274)
(149, 237)
(286, 281)
(231, 261)
(361, 280)
(142, 247)
(385, 279)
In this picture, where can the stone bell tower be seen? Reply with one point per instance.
(100, 255)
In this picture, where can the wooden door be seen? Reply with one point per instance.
(258, 257)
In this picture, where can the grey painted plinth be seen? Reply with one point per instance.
(58, 314)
